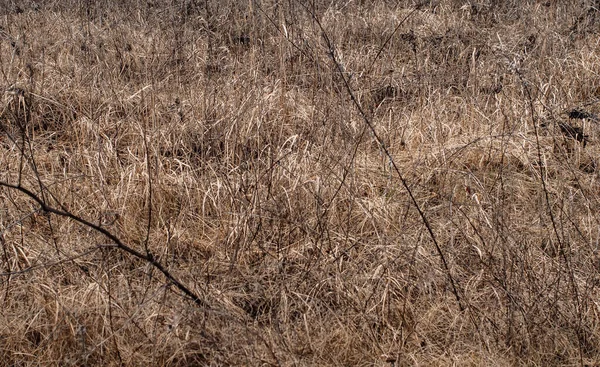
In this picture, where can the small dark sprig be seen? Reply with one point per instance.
(580, 114)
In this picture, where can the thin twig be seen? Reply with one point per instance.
(149, 258)
(387, 153)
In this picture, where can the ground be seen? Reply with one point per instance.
(307, 183)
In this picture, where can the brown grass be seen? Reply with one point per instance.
(218, 139)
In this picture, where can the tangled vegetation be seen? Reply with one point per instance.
(299, 182)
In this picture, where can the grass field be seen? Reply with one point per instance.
(299, 183)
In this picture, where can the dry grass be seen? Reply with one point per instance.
(220, 138)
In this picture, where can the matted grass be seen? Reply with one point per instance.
(219, 140)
